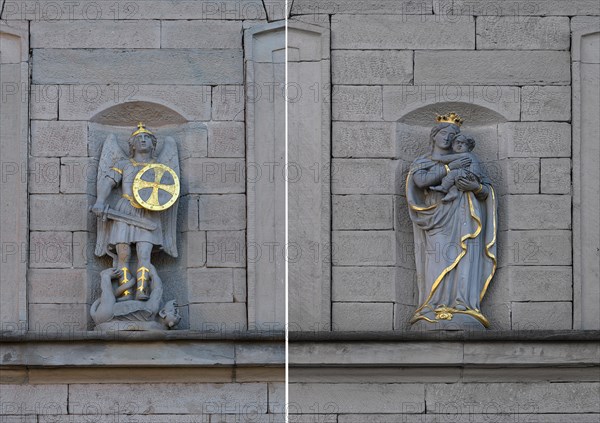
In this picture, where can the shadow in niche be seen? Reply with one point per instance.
(413, 140)
(121, 120)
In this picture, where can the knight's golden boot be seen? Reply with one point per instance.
(125, 290)
(142, 292)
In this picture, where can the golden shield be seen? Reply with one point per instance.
(156, 187)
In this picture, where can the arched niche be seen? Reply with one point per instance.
(191, 138)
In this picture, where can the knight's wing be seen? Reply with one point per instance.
(169, 156)
(112, 154)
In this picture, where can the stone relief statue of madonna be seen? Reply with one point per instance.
(452, 205)
(143, 183)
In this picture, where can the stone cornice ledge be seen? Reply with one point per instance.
(142, 350)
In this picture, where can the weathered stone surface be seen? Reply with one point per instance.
(531, 354)
(55, 139)
(364, 284)
(219, 317)
(535, 139)
(363, 212)
(196, 248)
(201, 34)
(362, 7)
(226, 249)
(79, 66)
(58, 286)
(492, 67)
(226, 139)
(546, 103)
(47, 318)
(277, 403)
(385, 67)
(480, 105)
(44, 175)
(357, 103)
(364, 248)
(403, 313)
(84, 246)
(359, 398)
(542, 315)
(43, 103)
(222, 212)
(210, 285)
(535, 248)
(363, 176)
(138, 418)
(189, 204)
(13, 376)
(362, 316)
(556, 176)
(259, 354)
(51, 212)
(462, 414)
(543, 283)
(23, 400)
(519, 176)
(532, 33)
(82, 102)
(403, 32)
(239, 286)
(228, 102)
(492, 9)
(95, 34)
(538, 211)
(213, 176)
(78, 175)
(187, 398)
(363, 139)
(50, 249)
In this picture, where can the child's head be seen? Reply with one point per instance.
(463, 143)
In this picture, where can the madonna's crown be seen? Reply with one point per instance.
(450, 118)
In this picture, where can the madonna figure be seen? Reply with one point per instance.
(455, 236)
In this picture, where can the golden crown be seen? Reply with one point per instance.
(450, 118)
(141, 130)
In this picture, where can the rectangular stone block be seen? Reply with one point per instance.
(26, 400)
(44, 175)
(492, 67)
(196, 248)
(399, 101)
(542, 316)
(95, 34)
(519, 176)
(84, 246)
(228, 102)
(364, 284)
(188, 398)
(538, 397)
(535, 248)
(50, 249)
(59, 286)
(57, 139)
(361, 7)
(363, 139)
(82, 102)
(556, 176)
(43, 102)
(552, 103)
(538, 211)
(226, 249)
(357, 103)
(62, 318)
(153, 66)
(78, 175)
(364, 248)
(201, 34)
(540, 283)
(218, 317)
(363, 176)
(535, 139)
(518, 8)
(386, 67)
(363, 212)
(531, 33)
(210, 285)
(402, 32)
(189, 204)
(359, 398)
(239, 286)
(51, 212)
(226, 139)
(222, 212)
(213, 176)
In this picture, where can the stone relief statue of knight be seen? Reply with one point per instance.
(136, 207)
